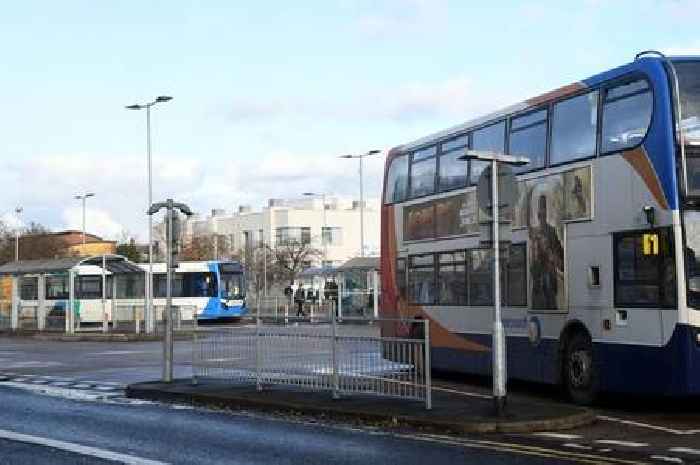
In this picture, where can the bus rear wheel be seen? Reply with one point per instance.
(580, 375)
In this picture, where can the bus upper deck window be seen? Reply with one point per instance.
(626, 115)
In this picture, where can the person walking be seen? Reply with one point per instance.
(299, 297)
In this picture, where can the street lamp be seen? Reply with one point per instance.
(149, 282)
(325, 224)
(83, 198)
(498, 335)
(170, 237)
(18, 211)
(362, 197)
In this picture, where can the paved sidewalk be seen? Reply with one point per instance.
(452, 412)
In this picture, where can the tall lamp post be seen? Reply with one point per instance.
(84, 197)
(325, 224)
(498, 342)
(18, 212)
(150, 322)
(362, 197)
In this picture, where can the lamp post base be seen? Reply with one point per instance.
(499, 406)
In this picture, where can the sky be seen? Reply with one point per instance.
(268, 94)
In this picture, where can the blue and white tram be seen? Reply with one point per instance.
(210, 289)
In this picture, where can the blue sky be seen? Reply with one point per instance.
(268, 93)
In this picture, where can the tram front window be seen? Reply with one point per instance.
(232, 286)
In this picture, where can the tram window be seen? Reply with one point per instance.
(528, 138)
(644, 278)
(452, 278)
(186, 285)
(626, 115)
(574, 123)
(421, 279)
(29, 288)
(57, 287)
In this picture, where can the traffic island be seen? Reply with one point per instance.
(451, 412)
(92, 336)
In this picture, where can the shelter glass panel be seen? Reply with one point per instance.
(57, 287)
(29, 288)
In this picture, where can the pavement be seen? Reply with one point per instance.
(451, 411)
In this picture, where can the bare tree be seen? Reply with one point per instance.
(292, 256)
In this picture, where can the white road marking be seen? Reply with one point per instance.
(614, 442)
(558, 435)
(119, 352)
(463, 393)
(78, 449)
(664, 458)
(66, 393)
(572, 445)
(684, 450)
(648, 426)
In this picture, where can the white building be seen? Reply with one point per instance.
(334, 230)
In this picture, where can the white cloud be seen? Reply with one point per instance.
(97, 221)
(392, 18)
(457, 97)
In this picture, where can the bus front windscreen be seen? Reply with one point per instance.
(232, 286)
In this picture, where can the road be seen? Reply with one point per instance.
(70, 431)
(73, 392)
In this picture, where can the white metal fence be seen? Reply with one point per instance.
(351, 357)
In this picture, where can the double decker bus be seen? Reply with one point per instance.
(601, 282)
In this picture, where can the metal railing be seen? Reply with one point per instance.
(352, 357)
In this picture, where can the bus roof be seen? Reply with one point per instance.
(590, 82)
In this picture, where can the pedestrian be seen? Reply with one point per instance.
(299, 298)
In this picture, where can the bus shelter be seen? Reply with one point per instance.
(358, 287)
(63, 293)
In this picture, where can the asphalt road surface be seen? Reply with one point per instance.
(48, 429)
(55, 388)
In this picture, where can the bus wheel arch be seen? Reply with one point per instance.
(578, 375)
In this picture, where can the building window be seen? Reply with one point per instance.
(29, 288)
(528, 138)
(421, 279)
(574, 123)
(293, 235)
(397, 180)
(453, 172)
(626, 115)
(57, 287)
(332, 235)
(644, 269)
(452, 278)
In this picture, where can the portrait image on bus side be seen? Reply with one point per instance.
(600, 277)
